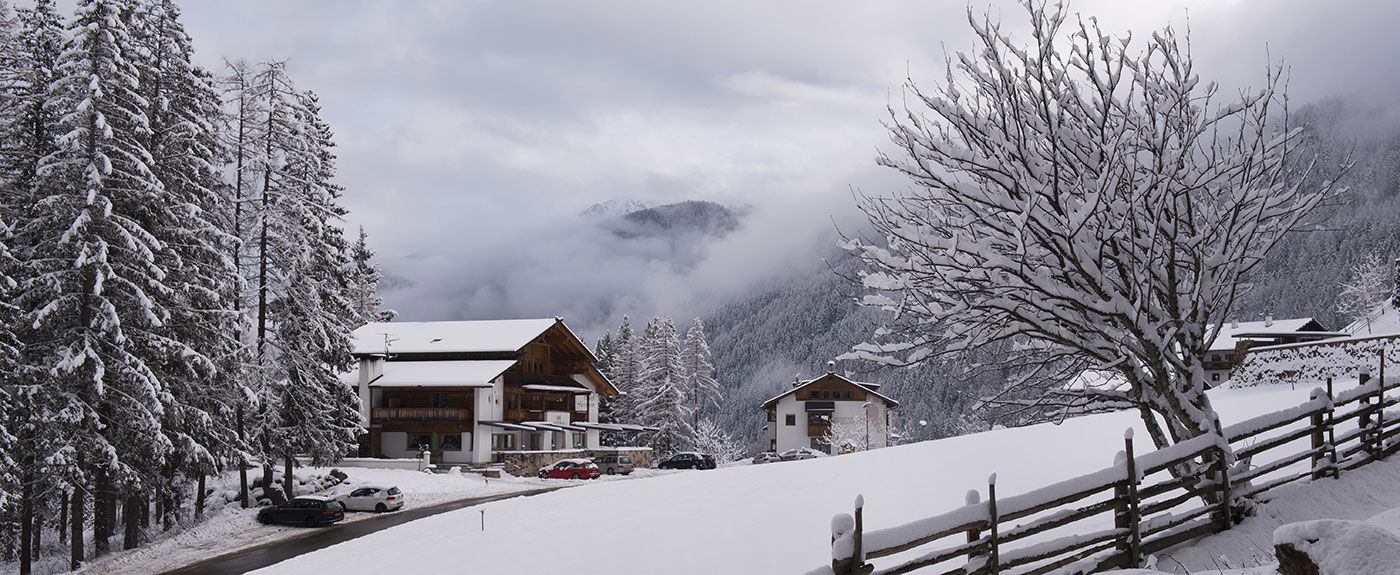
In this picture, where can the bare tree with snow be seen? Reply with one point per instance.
(1078, 202)
(1369, 287)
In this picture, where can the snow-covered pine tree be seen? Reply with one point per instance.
(623, 365)
(29, 131)
(369, 307)
(200, 367)
(244, 156)
(301, 273)
(701, 390)
(1367, 289)
(94, 289)
(661, 401)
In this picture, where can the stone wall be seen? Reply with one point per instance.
(528, 463)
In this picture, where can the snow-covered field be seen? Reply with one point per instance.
(233, 528)
(775, 518)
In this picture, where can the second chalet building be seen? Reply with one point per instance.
(472, 392)
(803, 415)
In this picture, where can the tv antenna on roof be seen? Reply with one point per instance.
(388, 339)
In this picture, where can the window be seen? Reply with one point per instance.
(815, 394)
(772, 415)
(439, 399)
(848, 395)
(580, 440)
(791, 419)
(450, 442)
(420, 441)
(826, 395)
(772, 445)
(818, 418)
(1215, 377)
(503, 441)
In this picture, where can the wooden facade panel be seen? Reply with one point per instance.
(460, 398)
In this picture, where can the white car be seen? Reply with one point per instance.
(372, 498)
(800, 453)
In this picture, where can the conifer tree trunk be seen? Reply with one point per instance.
(287, 479)
(132, 518)
(101, 514)
(26, 521)
(38, 532)
(242, 465)
(199, 498)
(75, 537)
(63, 518)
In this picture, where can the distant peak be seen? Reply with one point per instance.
(612, 208)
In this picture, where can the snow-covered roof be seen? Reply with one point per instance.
(869, 388)
(1230, 334)
(477, 336)
(463, 373)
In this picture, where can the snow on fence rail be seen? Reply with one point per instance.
(1067, 526)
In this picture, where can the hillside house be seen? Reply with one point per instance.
(804, 415)
(1238, 337)
(471, 391)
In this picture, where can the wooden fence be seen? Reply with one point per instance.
(1066, 526)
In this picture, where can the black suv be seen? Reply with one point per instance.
(305, 510)
(688, 460)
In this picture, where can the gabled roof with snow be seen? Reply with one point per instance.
(479, 336)
(1230, 334)
(867, 387)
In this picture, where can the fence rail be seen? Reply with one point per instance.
(1156, 500)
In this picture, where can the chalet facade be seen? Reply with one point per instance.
(470, 391)
(804, 415)
(1237, 337)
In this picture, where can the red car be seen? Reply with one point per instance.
(571, 469)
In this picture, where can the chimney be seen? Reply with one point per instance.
(1268, 320)
(1234, 323)
(796, 379)
(830, 367)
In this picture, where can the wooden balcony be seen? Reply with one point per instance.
(398, 414)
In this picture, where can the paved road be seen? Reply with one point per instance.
(247, 560)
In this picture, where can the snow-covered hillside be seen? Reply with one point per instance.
(771, 518)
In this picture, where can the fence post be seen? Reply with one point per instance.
(1222, 474)
(858, 553)
(840, 526)
(1369, 437)
(1380, 409)
(1332, 431)
(973, 498)
(1134, 519)
(992, 556)
(1319, 439)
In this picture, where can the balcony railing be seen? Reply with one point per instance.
(420, 414)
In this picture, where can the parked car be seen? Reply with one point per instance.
(571, 469)
(377, 499)
(308, 510)
(688, 460)
(800, 453)
(766, 457)
(614, 464)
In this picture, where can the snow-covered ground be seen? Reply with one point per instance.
(233, 528)
(775, 518)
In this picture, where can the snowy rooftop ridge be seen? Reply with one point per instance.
(1231, 333)
(472, 336)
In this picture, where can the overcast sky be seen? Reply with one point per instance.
(471, 133)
